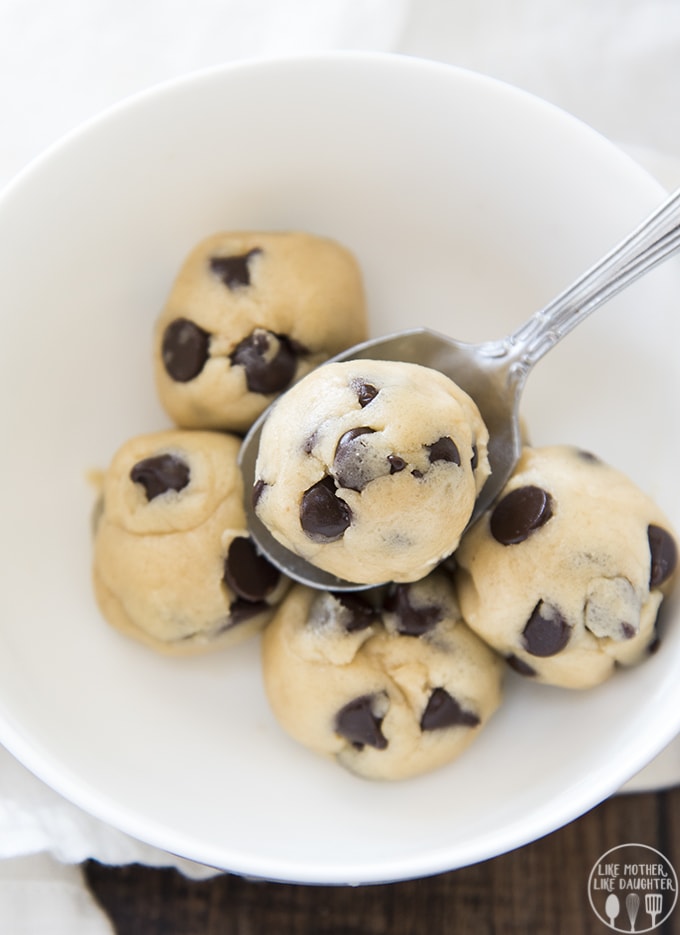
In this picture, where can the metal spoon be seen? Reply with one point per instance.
(492, 373)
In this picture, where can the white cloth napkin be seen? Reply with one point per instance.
(615, 64)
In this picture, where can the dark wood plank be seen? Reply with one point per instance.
(540, 888)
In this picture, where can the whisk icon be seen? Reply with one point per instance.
(632, 908)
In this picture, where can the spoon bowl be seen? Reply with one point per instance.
(493, 373)
(612, 907)
(456, 360)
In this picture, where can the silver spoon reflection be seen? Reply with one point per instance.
(492, 373)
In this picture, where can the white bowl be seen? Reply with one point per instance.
(469, 204)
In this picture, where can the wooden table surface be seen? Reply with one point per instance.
(540, 889)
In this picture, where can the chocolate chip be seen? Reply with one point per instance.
(350, 467)
(628, 631)
(160, 474)
(323, 516)
(269, 360)
(474, 460)
(444, 449)
(360, 614)
(357, 723)
(241, 610)
(443, 710)
(411, 619)
(248, 573)
(664, 555)
(396, 463)
(184, 349)
(546, 632)
(258, 490)
(234, 271)
(519, 514)
(520, 666)
(366, 393)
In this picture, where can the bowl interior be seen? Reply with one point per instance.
(468, 204)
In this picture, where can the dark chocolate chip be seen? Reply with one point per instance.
(160, 474)
(366, 393)
(664, 554)
(546, 632)
(258, 490)
(628, 631)
(234, 271)
(412, 620)
(248, 573)
(269, 360)
(444, 449)
(520, 666)
(588, 456)
(396, 463)
(309, 444)
(519, 514)
(323, 516)
(241, 610)
(184, 350)
(443, 710)
(349, 467)
(417, 474)
(474, 460)
(357, 723)
(361, 614)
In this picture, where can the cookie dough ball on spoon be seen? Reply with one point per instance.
(370, 469)
(250, 313)
(564, 576)
(389, 686)
(174, 566)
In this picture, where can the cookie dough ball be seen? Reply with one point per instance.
(391, 687)
(250, 313)
(370, 469)
(174, 566)
(565, 574)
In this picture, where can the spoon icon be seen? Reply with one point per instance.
(492, 373)
(612, 908)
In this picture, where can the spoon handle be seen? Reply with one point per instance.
(651, 243)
